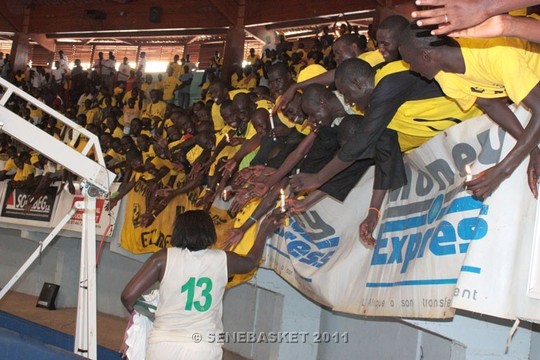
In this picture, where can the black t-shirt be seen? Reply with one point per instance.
(389, 94)
(389, 168)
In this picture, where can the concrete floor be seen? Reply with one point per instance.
(110, 329)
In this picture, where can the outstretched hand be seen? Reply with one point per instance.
(302, 181)
(246, 175)
(366, 229)
(485, 182)
(242, 197)
(273, 221)
(206, 201)
(235, 236)
(492, 27)
(295, 206)
(147, 219)
(451, 15)
(259, 189)
(228, 169)
(196, 170)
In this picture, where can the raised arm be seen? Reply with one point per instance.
(326, 78)
(503, 25)
(451, 15)
(527, 140)
(291, 160)
(238, 264)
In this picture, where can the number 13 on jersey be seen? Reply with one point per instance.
(191, 286)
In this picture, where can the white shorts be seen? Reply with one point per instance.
(180, 351)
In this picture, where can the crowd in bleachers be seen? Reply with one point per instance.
(309, 123)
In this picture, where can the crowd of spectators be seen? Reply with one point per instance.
(295, 123)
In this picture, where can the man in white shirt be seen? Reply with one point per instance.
(141, 66)
(64, 62)
(192, 67)
(123, 71)
(57, 74)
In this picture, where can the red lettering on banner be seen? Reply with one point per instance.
(100, 204)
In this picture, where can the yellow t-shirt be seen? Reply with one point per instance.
(160, 163)
(303, 53)
(157, 85)
(205, 87)
(177, 69)
(169, 85)
(373, 58)
(117, 133)
(118, 90)
(247, 83)
(36, 113)
(215, 112)
(494, 68)
(93, 116)
(128, 95)
(10, 165)
(326, 51)
(228, 150)
(157, 109)
(417, 121)
(194, 154)
(145, 87)
(116, 156)
(234, 81)
(253, 59)
(24, 173)
(306, 130)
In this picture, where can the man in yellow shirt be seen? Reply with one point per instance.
(485, 72)
(218, 91)
(177, 68)
(25, 171)
(348, 46)
(156, 110)
(170, 84)
(252, 58)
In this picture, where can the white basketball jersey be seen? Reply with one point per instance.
(190, 296)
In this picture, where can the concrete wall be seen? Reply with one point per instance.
(59, 264)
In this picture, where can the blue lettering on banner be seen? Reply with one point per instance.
(309, 239)
(439, 237)
(413, 230)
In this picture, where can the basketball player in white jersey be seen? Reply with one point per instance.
(192, 281)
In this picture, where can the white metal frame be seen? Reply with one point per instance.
(97, 180)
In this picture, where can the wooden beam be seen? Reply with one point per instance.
(43, 41)
(227, 8)
(260, 33)
(318, 20)
(234, 45)
(258, 12)
(192, 40)
(147, 33)
(8, 21)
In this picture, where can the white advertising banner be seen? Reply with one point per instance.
(438, 248)
(105, 219)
